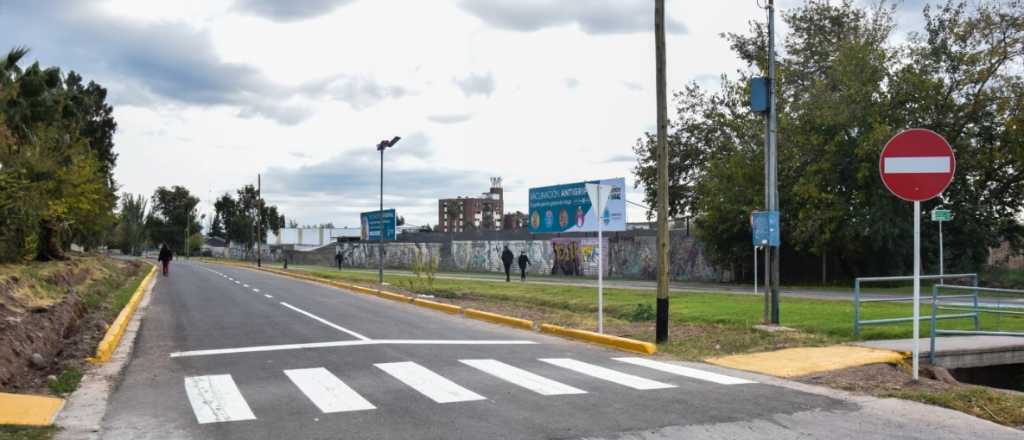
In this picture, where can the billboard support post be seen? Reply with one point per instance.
(598, 194)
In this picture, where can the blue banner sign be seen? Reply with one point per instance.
(569, 208)
(766, 228)
(371, 224)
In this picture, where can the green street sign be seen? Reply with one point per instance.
(942, 215)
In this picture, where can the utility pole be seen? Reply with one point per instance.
(259, 221)
(383, 145)
(661, 330)
(771, 153)
(188, 224)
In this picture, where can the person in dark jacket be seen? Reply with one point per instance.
(523, 262)
(506, 258)
(165, 258)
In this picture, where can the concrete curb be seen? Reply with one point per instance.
(616, 342)
(498, 319)
(110, 341)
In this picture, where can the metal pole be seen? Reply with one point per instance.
(941, 260)
(600, 265)
(917, 287)
(187, 227)
(259, 221)
(661, 327)
(755, 270)
(773, 164)
(380, 223)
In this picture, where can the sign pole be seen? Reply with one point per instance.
(917, 286)
(942, 261)
(755, 270)
(600, 263)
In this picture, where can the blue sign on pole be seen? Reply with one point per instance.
(766, 228)
(371, 225)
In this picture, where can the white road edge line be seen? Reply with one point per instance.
(685, 371)
(263, 348)
(326, 322)
(216, 399)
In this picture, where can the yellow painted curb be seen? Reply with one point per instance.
(598, 338)
(393, 296)
(23, 409)
(498, 319)
(114, 334)
(447, 308)
(793, 362)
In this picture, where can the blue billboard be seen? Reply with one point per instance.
(570, 207)
(370, 225)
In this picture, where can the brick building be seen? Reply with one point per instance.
(472, 213)
(514, 221)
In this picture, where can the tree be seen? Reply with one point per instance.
(56, 160)
(292, 224)
(400, 221)
(131, 229)
(171, 216)
(216, 227)
(241, 214)
(844, 87)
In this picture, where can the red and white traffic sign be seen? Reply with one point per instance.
(917, 164)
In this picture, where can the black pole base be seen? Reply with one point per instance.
(661, 330)
(775, 306)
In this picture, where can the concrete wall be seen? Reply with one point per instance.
(627, 255)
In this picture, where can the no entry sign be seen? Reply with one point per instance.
(917, 165)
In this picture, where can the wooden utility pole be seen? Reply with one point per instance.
(661, 330)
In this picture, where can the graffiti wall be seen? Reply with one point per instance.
(626, 256)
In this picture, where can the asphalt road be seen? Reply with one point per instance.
(229, 353)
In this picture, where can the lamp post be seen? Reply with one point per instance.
(383, 145)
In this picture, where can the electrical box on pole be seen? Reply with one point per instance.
(759, 97)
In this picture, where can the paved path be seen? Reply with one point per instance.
(229, 353)
(677, 287)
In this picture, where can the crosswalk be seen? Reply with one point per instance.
(216, 398)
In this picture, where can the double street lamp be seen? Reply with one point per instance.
(383, 145)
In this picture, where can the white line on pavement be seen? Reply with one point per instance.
(629, 380)
(538, 384)
(428, 383)
(262, 348)
(326, 391)
(326, 322)
(216, 399)
(268, 296)
(685, 371)
(256, 290)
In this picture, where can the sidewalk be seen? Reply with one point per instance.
(678, 287)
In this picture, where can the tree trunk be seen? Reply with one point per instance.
(49, 242)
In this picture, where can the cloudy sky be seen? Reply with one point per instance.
(208, 93)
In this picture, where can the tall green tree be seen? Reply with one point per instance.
(172, 214)
(56, 159)
(845, 86)
(242, 213)
(131, 229)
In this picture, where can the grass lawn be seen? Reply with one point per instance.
(818, 321)
(9, 432)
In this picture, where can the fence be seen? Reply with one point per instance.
(975, 311)
(857, 300)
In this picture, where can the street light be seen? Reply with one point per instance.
(383, 145)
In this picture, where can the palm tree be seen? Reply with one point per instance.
(9, 69)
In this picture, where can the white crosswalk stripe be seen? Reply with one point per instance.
(428, 383)
(216, 399)
(629, 380)
(538, 384)
(685, 371)
(327, 392)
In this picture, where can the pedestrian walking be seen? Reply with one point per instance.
(165, 258)
(523, 262)
(338, 256)
(506, 258)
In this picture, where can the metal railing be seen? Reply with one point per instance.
(975, 311)
(857, 300)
